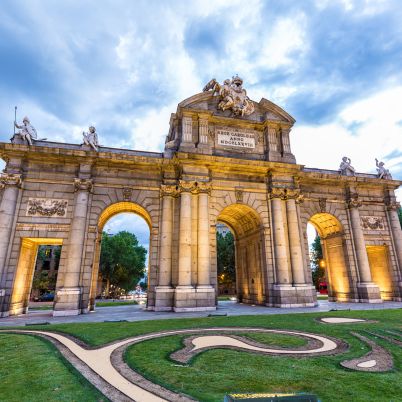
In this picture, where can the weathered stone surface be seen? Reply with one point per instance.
(218, 166)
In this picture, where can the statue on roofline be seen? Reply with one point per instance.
(382, 173)
(91, 138)
(345, 168)
(27, 131)
(232, 96)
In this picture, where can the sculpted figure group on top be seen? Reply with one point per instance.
(232, 96)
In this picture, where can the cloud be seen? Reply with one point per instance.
(377, 135)
(124, 67)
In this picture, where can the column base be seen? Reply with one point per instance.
(164, 296)
(187, 298)
(369, 292)
(67, 302)
(285, 296)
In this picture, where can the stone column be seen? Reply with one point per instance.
(296, 253)
(68, 297)
(396, 231)
(184, 296)
(11, 184)
(368, 291)
(185, 235)
(280, 245)
(164, 290)
(203, 239)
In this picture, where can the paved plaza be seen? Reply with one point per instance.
(139, 312)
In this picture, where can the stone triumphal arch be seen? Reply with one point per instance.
(227, 159)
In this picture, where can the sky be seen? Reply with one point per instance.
(123, 66)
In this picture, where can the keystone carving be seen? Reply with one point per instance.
(239, 195)
(322, 202)
(373, 222)
(46, 207)
(127, 193)
(11, 179)
(83, 185)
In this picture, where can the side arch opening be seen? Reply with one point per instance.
(336, 278)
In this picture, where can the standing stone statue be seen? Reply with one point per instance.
(382, 173)
(27, 131)
(345, 168)
(91, 138)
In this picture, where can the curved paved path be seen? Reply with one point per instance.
(100, 359)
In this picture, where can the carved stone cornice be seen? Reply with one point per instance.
(83, 184)
(169, 190)
(11, 179)
(353, 201)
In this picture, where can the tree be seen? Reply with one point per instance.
(400, 216)
(226, 258)
(318, 272)
(122, 262)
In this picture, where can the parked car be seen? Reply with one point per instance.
(46, 297)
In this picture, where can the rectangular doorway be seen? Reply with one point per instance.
(25, 273)
(379, 267)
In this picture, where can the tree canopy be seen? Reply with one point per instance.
(318, 273)
(226, 258)
(122, 260)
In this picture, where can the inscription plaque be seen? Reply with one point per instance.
(235, 138)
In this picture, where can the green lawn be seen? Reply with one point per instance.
(213, 373)
(112, 303)
(32, 369)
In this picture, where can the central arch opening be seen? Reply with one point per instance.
(245, 224)
(120, 266)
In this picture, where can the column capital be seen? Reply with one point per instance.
(286, 194)
(353, 201)
(169, 190)
(203, 187)
(277, 192)
(10, 179)
(83, 184)
(393, 205)
(194, 187)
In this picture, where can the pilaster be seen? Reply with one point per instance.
(368, 291)
(68, 297)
